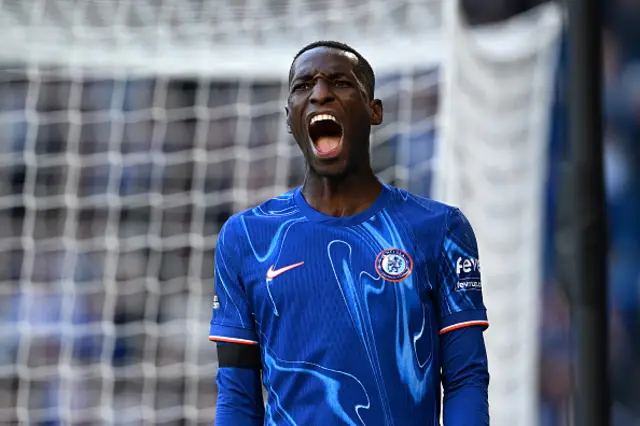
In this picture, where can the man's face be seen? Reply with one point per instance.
(329, 112)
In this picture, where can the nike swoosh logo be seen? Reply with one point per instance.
(272, 273)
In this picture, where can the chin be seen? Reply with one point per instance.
(333, 168)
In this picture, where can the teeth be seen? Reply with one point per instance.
(322, 117)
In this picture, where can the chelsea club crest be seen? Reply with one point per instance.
(393, 264)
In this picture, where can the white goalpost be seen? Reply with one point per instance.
(497, 88)
(131, 129)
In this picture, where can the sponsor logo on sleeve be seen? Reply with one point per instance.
(468, 271)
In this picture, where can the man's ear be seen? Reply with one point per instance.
(376, 112)
(286, 110)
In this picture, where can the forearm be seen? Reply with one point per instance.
(466, 406)
(240, 400)
(465, 378)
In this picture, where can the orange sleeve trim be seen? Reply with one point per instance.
(464, 324)
(231, 340)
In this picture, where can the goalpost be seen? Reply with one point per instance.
(131, 129)
(495, 119)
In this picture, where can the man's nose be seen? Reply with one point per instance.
(321, 94)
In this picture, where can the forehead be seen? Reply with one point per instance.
(324, 60)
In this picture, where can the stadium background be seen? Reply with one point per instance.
(108, 226)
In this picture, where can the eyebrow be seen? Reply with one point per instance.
(302, 77)
(309, 75)
(337, 74)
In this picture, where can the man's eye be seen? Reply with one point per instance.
(342, 84)
(301, 86)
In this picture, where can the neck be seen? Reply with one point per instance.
(341, 196)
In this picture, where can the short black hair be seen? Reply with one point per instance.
(363, 67)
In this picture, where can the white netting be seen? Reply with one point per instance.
(496, 91)
(130, 131)
(215, 38)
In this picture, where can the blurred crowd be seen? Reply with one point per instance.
(112, 193)
(621, 109)
(622, 162)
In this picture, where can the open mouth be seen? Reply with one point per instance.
(325, 132)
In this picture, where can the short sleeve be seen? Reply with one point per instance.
(460, 302)
(232, 319)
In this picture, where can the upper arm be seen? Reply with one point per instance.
(240, 401)
(464, 359)
(465, 377)
(459, 296)
(232, 319)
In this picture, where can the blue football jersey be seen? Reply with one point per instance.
(348, 310)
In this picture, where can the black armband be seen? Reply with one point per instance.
(239, 356)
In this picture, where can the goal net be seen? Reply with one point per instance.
(131, 130)
(496, 89)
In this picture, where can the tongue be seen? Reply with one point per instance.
(327, 144)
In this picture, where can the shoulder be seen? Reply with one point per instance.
(433, 223)
(278, 207)
(422, 211)
(270, 213)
